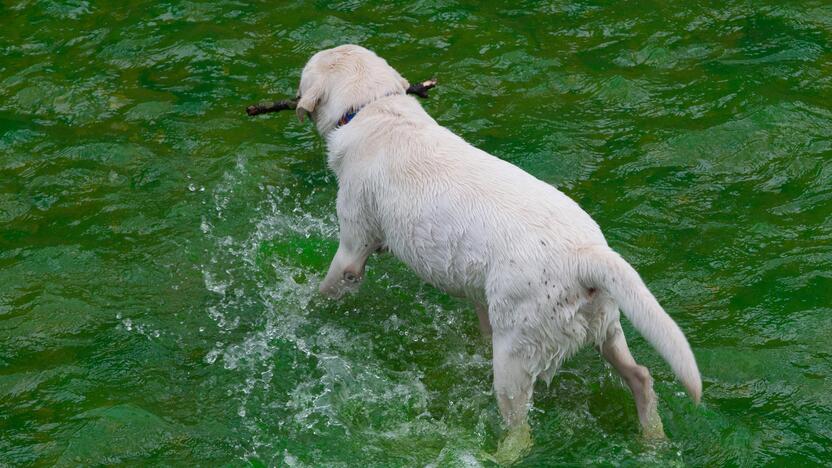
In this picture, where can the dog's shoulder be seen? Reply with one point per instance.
(396, 128)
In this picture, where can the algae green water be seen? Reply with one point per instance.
(160, 250)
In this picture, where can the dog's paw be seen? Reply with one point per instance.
(348, 283)
(654, 430)
(330, 291)
(515, 445)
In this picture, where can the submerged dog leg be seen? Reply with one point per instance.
(347, 268)
(345, 272)
(513, 389)
(616, 352)
(512, 382)
(356, 241)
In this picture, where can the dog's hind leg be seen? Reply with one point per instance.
(637, 377)
(513, 389)
(512, 382)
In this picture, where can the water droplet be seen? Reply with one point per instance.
(212, 355)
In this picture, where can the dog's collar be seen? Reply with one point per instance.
(350, 114)
(345, 119)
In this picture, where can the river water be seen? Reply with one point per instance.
(160, 250)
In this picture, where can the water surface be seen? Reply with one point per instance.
(160, 251)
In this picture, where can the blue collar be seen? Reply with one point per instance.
(350, 114)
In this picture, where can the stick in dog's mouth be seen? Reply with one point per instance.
(419, 89)
(267, 107)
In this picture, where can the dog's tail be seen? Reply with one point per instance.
(599, 267)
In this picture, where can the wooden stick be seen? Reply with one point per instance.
(419, 89)
(276, 106)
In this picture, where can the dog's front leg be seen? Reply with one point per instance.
(357, 239)
(345, 272)
(347, 268)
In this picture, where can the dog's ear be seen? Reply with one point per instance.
(308, 100)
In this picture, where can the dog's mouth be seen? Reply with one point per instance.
(419, 89)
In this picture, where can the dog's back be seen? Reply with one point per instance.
(452, 212)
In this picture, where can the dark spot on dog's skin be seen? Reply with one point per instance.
(542, 243)
(548, 297)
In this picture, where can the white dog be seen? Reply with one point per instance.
(537, 267)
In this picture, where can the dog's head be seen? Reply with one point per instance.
(342, 79)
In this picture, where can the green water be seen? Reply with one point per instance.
(160, 251)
